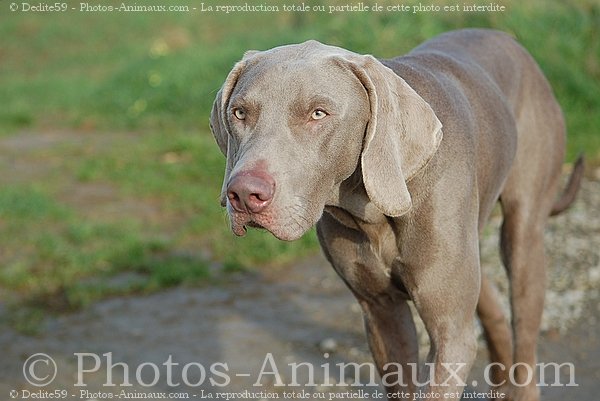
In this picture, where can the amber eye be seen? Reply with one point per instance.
(318, 114)
(240, 114)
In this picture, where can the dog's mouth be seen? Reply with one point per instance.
(280, 228)
(254, 224)
(241, 221)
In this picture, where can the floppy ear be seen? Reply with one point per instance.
(219, 123)
(402, 135)
(218, 116)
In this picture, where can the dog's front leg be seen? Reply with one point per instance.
(438, 264)
(388, 320)
(445, 293)
(393, 342)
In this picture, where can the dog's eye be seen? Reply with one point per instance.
(318, 114)
(240, 114)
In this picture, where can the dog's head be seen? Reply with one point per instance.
(296, 121)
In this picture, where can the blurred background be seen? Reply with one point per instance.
(109, 175)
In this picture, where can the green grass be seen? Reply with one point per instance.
(129, 97)
(49, 264)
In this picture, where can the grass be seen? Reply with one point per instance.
(122, 101)
(53, 260)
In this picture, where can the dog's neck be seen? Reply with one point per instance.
(349, 202)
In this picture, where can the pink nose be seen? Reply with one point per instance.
(250, 191)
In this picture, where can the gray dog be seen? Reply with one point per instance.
(399, 163)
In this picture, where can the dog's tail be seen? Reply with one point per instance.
(569, 194)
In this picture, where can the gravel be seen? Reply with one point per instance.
(573, 259)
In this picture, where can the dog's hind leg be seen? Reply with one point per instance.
(497, 333)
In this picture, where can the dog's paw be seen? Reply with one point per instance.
(503, 393)
(528, 393)
(511, 393)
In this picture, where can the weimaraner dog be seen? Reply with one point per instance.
(399, 163)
